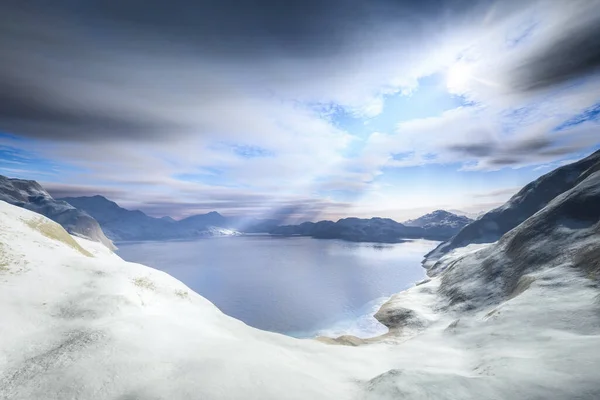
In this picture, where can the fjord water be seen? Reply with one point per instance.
(298, 286)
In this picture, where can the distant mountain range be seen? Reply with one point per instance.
(438, 225)
(30, 195)
(103, 220)
(528, 201)
(121, 224)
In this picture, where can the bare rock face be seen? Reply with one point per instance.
(30, 195)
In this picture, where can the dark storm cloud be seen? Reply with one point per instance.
(29, 111)
(505, 153)
(243, 28)
(575, 52)
(81, 70)
(474, 149)
(503, 161)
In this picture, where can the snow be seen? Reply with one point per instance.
(77, 326)
(440, 218)
(218, 231)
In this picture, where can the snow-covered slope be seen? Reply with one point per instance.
(532, 198)
(31, 195)
(443, 221)
(78, 322)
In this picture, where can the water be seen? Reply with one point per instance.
(297, 286)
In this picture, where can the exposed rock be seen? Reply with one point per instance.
(424, 281)
(523, 284)
(397, 317)
(344, 340)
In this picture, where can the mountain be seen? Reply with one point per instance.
(379, 230)
(528, 201)
(563, 234)
(443, 222)
(122, 224)
(199, 221)
(470, 215)
(30, 195)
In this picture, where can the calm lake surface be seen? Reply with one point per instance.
(298, 286)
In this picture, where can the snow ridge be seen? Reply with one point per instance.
(31, 195)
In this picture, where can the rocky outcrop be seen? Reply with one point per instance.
(398, 317)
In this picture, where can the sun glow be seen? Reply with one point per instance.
(458, 75)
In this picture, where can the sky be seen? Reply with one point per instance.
(297, 109)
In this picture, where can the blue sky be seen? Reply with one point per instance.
(453, 108)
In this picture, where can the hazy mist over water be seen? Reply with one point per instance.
(298, 286)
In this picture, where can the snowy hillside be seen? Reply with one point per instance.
(31, 195)
(107, 329)
(513, 320)
(532, 198)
